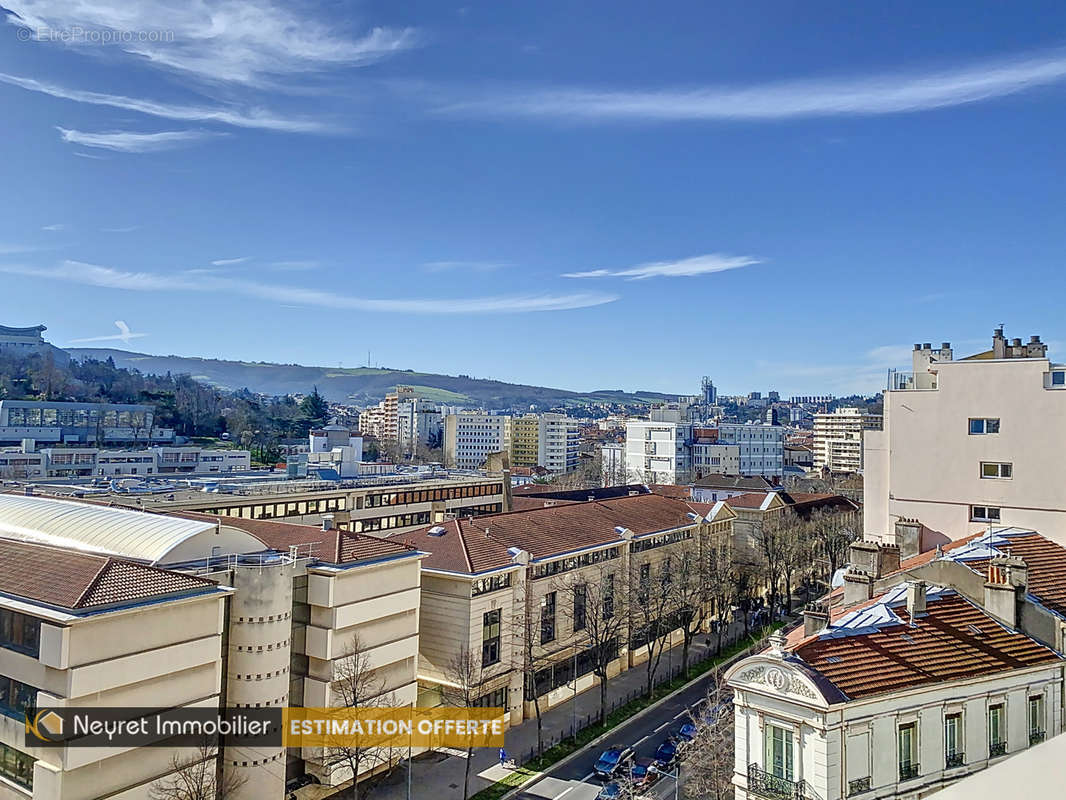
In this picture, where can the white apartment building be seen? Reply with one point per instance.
(558, 443)
(613, 463)
(418, 424)
(470, 436)
(658, 452)
(73, 462)
(838, 439)
(970, 442)
(761, 447)
(901, 694)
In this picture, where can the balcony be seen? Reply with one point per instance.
(765, 784)
(910, 381)
(952, 760)
(997, 749)
(858, 786)
(1036, 737)
(908, 772)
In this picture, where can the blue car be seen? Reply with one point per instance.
(611, 791)
(666, 752)
(610, 760)
(687, 732)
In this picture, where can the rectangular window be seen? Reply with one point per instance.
(608, 596)
(16, 766)
(16, 698)
(997, 730)
(643, 583)
(20, 632)
(953, 752)
(985, 425)
(908, 751)
(547, 618)
(779, 755)
(580, 602)
(490, 637)
(1036, 719)
(1058, 378)
(996, 469)
(984, 514)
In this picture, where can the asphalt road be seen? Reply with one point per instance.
(576, 780)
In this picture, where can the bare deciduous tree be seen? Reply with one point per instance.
(600, 617)
(529, 632)
(833, 534)
(466, 679)
(356, 685)
(709, 759)
(197, 775)
(690, 592)
(649, 614)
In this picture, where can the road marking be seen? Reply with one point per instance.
(564, 791)
(640, 741)
(665, 724)
(583, 780)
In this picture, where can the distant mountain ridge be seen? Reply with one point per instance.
(360, 385)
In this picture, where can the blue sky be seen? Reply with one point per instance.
(607, 195)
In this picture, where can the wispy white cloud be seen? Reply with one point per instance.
(107, 277)
(228, 262)
(468, 266)
(685, 268)
(249, 42)
(251, 118)
(124, 335)
(130, 142)
(90, 155)
(54, 228)
(127, 229)
(294, 266)
(887, 93)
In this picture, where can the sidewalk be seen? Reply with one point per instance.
(439, 776)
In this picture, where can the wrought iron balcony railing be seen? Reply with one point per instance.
(908, 771)
(766, 784)
(858, 786)
(997, 749)
(954, 760)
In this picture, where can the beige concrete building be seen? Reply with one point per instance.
(838, 439)
(114, 607)
(489, 584)
(970, 442)
(471, 436)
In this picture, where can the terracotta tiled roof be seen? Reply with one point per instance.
(953, 641)
(76, 580)
(332, 546)
(480, 544)
(529, 503)
(670, 490)
(1044, 559)
(749, 500)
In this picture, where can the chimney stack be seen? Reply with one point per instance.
(815, 618)
(863, 556)
(908, 537)
(915, 599)
(1005, 588)
(858, 586)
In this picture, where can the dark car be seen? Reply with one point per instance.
(292, 784)
(610, 760)
(666, 752)
(611, 791)
(687, 732)
(641, 774)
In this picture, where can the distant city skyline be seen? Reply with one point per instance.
(779, 199)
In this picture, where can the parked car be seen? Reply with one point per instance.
(641, 773)
(687, 732)
(611, 760)
(666, 752)
(610, 791)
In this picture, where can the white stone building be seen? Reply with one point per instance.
(658, 452)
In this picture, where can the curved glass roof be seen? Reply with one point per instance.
(99, 529)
